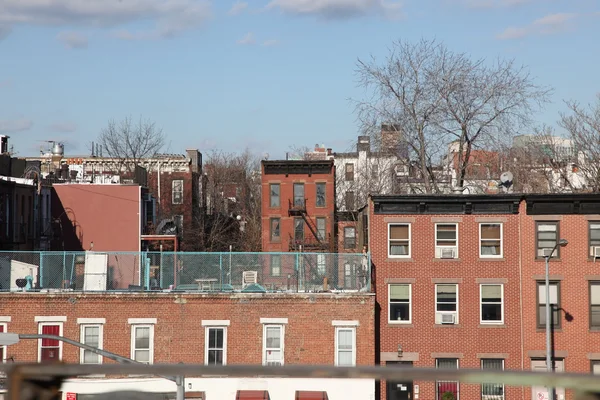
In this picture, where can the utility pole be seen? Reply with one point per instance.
(7, 339)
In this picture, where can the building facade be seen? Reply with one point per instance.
(212, 329)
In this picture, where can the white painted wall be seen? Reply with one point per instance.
(226, 388)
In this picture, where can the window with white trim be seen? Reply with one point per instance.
(490, 240)
(345, 346)
(50, 349)
(443, 387)
(446, 303)
(3, 329)
(399, 306)
(142, 343)
(446, 240)
(492, 391)
(91, 334)
(492, 303)
(177, 191)
(215, 345)
(399, 240)
(273, 338)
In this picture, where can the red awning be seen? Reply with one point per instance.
(252, 395)
(308, 395)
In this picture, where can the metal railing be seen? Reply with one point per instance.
(216, 272)
(43, 381)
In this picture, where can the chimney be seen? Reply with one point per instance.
(364, 144)
(4, 144)
(92, 149)
(391, 135)
(195, 159)
(329, 152)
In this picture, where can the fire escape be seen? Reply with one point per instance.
(315, 243)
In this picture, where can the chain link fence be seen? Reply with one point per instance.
(220, 272)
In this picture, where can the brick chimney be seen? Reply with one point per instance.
(363, 144)
(195, 159)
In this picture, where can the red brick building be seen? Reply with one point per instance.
(323, 329)
(298, 205)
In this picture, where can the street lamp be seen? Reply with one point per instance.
(8, 339)
(561, 243)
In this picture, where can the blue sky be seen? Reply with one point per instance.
(260, 74)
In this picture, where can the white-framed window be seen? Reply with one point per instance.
(177, 191)
(3, 329)
(492, 391)
(345, 346)
(91, 332)
(446, 303)
(142, 339)
(50, 349)
(443, 387)
(492, 303)
(446, 240)
(399, 240)
(399, 304)
(490, 240)
(273, 340)
(215, 342)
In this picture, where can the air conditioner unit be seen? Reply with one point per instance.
(447, 253)
(274, 363)
(596, 251)
(249, 278)
(449, 319)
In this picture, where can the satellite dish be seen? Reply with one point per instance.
(506, 179)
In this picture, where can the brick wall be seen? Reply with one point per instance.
(178, 333)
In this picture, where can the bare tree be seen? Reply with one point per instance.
(232, 205)
(583, 129)
(130, 142)
(437, 97)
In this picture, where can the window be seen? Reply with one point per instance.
(349, 172)
(547, 236)
(443, 387)
(275, 230)
(446, 304)
(350, 275)
(50, 349)
(321, 228)
(349, 200)
(275, 265)
(142, 339)
(298, 229)
(215, 345)
(349, 237)
(299, 194)
(492, 391)
(273, 340)
(3, 329)
(320, 200)
(321, 264)
(399, 303)
(274, 189)
(595, 367)
(594, 237)
(492, 304)
(345, 346)
(446, 240)
(490, 240)
(177, 191)
(594, 304)
(91, 333)
(554, 304)
(375, 172)
(399, 240)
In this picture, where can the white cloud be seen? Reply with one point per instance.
(63, 127)
(337, 9)
(73, 40)
(168, 16)
(270, 42)
(547, 25)
(247, 39)
(238, 7)
(15, 125)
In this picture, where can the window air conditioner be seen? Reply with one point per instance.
(449, 319)
(596, 251)
(447, 253)
(274, 363)
(249, 278)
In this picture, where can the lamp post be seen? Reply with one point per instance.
(561, 243)
(7, 339)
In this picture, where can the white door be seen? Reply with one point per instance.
(96, 268)
(540, 392)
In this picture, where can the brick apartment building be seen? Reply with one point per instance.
(324, 329)
(459, 283)
(298, 205)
